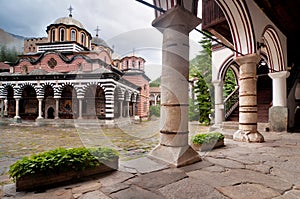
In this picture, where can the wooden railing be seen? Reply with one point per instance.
(231, 102)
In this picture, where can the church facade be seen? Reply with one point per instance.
(71, 75)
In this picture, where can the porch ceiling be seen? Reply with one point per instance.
(285, 14)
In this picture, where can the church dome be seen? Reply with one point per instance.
(69, 21)
(100, 42)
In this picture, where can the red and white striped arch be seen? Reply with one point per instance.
(191, 5)
(239, 20)
(273, 49)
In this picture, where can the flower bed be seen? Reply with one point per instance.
(61, 165)
(207, 141)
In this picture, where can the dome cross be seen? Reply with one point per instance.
(97, 31)
(70, 10)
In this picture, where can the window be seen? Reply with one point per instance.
(83, 39)
(133, 64)
(62, 34)
(53, 35)
(139, 64)
(73, 35)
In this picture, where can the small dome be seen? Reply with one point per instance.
(68, 21)
(100, 42)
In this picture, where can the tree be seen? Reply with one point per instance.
(155, 83)
(8, 54)
(200, 68)
(203, 100)
(229, 82)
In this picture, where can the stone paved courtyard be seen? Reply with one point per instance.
(238, 170)
(26, 138)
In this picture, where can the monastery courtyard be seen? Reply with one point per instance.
(238, 170)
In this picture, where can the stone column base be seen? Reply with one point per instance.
(176, 156)
(17, 119)
(248, 136)
(278, 118)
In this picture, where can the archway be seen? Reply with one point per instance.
(94, 103)
(48, 101)
(50, 113)
(131, 106)
(264, 92)
(68, 103)
(11, 103)
(117, 107)
(28, 104)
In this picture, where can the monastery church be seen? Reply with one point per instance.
(72, 75)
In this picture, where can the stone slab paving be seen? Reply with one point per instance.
(239, 170)
(141, 165)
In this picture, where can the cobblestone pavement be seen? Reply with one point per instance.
(238, 170)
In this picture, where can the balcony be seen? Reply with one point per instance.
(214, 21)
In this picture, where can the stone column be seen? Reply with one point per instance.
(278, 113)
(80, 108)
(17, 117)
(219, 104)
(5, 107)
(56, 108)
(155, 99)
(121, 108)
(173, 148)
(248, 100)
(2, 108)
(40, 99)
(127, 109)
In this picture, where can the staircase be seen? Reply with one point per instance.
(264, 99)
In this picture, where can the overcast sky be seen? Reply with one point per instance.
(124, 24)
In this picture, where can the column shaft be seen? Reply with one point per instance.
(17, 116)
(40, 108)
(175, 25)
(248, 100)
(56, 108)
(5, 106)
(2, 108)
(279, 88)
(80, 108)
(219, 104)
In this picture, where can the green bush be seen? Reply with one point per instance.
(207, 137)
(155, 110)
(61, 160)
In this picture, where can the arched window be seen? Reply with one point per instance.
(53, 35)
(62, 34)
(83, 39)
(73, 35)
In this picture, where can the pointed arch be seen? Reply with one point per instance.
(240, 24)
(28, 102)
(273, 49)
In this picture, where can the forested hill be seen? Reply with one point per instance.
(11, 41)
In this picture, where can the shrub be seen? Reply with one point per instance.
(207, 138)
(61, 160)
(155, 110)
